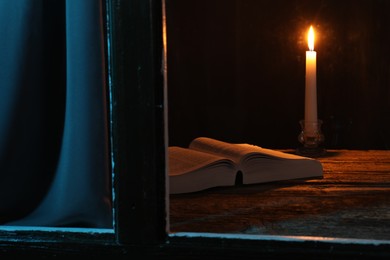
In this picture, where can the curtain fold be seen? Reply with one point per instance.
(71, 188)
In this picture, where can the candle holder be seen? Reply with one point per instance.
(311, 138)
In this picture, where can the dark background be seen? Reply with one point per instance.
(236, 71)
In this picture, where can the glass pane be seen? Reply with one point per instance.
(236, 72)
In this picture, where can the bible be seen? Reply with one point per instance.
(208, 163)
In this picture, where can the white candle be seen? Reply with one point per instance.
(311, 87)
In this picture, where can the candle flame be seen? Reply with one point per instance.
(310, 38)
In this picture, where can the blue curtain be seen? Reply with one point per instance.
(54, 152)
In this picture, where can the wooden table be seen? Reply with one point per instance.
(351, 201)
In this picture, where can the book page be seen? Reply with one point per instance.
(237, 152)
(213, 146)
(183, 160)
(250, 148)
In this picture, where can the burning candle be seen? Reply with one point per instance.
(311, 87)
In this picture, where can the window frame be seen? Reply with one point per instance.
(137, 81)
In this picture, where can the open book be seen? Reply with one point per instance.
(208, 163)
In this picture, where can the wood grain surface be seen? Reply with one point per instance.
(351, 201)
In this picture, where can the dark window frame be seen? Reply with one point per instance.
(135, 30)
